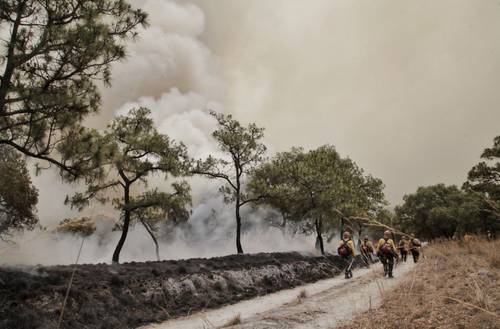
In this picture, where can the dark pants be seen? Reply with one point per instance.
(415, 253)
(388, 262)
(404, 254)
(348, 266)
(367, 258)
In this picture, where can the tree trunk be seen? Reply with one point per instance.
(9, 66)
(238, 228)
(239, 249)
(126, 224)
(319, 238)
(150, 231)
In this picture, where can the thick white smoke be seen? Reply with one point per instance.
(170, 71)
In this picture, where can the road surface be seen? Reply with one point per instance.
(328, 303)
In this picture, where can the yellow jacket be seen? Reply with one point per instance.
(350, 246)
(389, 241)
(403, 245)
(367, 245)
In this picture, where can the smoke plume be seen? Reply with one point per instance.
(172, 72)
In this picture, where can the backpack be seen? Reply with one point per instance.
(366, 248)
(415, 243)
(343, 250)
(386, 248)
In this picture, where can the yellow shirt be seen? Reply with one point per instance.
(389, 241)
(368, 245)
(350, 245)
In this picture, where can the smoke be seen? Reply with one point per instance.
(406, 89)
(172, 72)
(168, 55)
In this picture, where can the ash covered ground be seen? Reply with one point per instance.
(133, 294)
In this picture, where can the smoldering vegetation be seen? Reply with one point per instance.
(136, 293)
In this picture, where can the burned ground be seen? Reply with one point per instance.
(131, 294)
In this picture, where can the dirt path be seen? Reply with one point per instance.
(329, 303)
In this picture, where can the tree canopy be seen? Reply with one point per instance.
(18, 197)
(484, 177)
(134, 151)
(53, 56)
(316, 188)
(245, 150)
(441, 211)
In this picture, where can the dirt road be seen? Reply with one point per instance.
(328, 303)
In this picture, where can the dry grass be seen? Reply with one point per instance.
(457, 285)
(300, 297)
(233, 321)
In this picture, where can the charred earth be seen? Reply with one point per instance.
(133, 294)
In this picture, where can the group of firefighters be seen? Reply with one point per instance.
(385, 249)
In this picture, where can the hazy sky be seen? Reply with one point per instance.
(408, 89)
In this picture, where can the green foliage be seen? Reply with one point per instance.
(484, 178)
(18, 197)
(55, 53)
(245, 150)
(442, 211)
(316, 188)
(131, 151)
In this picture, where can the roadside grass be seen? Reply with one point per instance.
(235, 320)
(455, 285)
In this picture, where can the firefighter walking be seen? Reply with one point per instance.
(415, 249)
(346, 251)
(403, 248)
(366, 249)
(387, 252)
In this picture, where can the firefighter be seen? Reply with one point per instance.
(346, 251)
(366, 249)
(403, 248)
(415, 249)
(387, 252)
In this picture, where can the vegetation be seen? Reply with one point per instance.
(132, 151)
(245, 151)
(455, 286)
(484, 178)
(55, 53)
(83, 226)
(438, 211)
(317, 188)
(18, 197)
(447, 211)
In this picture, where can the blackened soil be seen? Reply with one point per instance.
(134, 294)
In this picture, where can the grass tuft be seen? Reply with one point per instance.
(233, 321)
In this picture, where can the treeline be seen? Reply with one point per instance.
(441, 211)
(54, 56)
